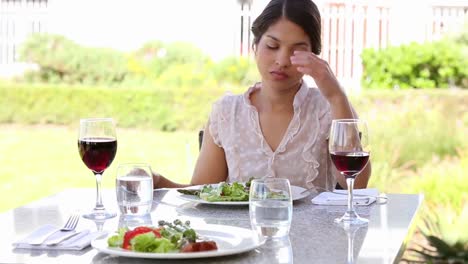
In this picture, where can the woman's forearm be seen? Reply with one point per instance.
(363, 178)
(340, 107)
(160, 181)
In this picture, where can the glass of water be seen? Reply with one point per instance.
(275, 251)
(131, 222)
(270, 207)
(134, 189)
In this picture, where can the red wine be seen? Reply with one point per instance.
(97, 152)
(350, 163)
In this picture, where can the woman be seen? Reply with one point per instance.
(279, 127)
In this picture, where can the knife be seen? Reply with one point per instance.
(189, 191)
(64, 237)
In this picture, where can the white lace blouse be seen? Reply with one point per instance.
(302, 156)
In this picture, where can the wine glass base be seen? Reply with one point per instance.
(100, 215)
(351, 219)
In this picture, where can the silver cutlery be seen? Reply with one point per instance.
(316, 188)
(70, 225)
(60, 239)
(379, 198)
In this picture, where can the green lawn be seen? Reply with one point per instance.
(37, 161)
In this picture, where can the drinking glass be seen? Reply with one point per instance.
(275, 251)
(270, 207)
(134, 189)
(132, 222)
(349, 149)
(97, 144)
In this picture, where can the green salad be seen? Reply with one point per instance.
(228, 192)
(222, 192)
(168, 237)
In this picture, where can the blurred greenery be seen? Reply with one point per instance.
(443, 237)
(410, 127)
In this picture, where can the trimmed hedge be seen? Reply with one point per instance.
(161, 109)
(169, 109)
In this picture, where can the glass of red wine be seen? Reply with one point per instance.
(97, 144)
(349, 149)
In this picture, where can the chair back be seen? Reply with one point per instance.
(200, 138)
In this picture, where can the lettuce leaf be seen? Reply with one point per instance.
(148, 242)
(117, 240)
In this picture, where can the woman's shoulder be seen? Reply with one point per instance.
(230, 99)
(226, 105)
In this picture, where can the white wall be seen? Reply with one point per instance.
(126, 25)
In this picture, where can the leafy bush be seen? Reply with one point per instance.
(156, 57)
(236, 70)
(438, 64)
(61, 60)
(156, 63)
(185, 75)
(182, 63)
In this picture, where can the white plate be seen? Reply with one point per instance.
(295, 190)
(230, 240)
(297, 193)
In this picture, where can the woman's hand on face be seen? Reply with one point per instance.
(310, 64)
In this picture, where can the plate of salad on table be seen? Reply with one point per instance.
(177, 240)
(235, 193)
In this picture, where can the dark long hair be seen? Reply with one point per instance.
(304, 13)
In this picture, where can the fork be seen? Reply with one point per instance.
(70, 225)
(383, 197)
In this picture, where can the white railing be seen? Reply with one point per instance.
(348, 27)
(446, 18)
(18, 20)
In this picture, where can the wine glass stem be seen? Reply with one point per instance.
(350, 183)
(99, 205)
